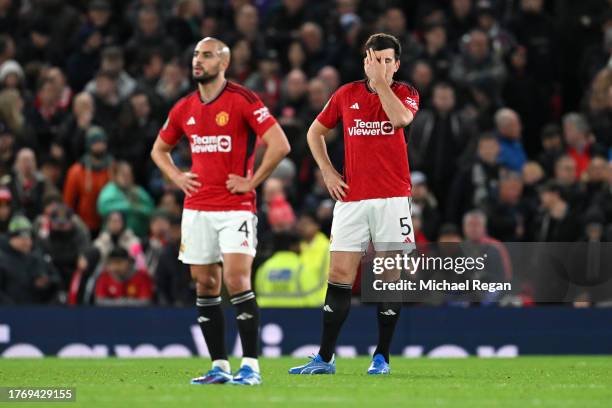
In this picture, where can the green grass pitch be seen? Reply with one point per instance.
(575, 381)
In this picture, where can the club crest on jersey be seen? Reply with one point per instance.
(376, 128)
(210, 144)
(222, 118)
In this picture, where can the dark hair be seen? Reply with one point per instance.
(285, 240)
(427, 27)
(312, 214)
(448, 229)
(106, 74)
(42, 82)
(174, 219)
(118, 253)
(148, 54)
(4, 40)
(113, 53)
(487, 136)
(443, 85)
(551, 186)
(550, 131)
(382, 41)
(139, 91)
(53, 199)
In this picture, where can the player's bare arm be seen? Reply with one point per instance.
(186, 181)
(277, 148)
(333, 180)
(379, 69)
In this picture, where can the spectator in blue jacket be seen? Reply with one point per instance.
(509, 129)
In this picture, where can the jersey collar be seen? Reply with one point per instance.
(215, 97)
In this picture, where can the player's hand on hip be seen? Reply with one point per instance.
(335, 184)
(374, 68)
(236, 184)
(187, 182)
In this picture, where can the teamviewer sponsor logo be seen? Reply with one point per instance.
(211, 144)
(363, 128)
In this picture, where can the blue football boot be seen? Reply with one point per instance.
(246, 376)
(315, 366)
(214, 376)
(379, 365)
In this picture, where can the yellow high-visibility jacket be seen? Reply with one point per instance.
(288, 279)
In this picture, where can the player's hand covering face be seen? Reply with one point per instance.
(379, 66)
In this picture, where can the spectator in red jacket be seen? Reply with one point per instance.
(86, 178)
(581, 145)
(121, 284)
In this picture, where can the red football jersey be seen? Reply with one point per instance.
(222, 134)
(138, 286)
(375, 154)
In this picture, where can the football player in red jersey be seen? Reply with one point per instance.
(219, 222)
(373, 194)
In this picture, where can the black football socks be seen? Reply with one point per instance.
(247, 317)
(388, 314)
(212, 323)
(335, 311)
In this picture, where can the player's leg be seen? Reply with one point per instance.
(237, 277)
(387, 314)
(342, 271)
(392, 233)
(238, 240)
(200, 249)
(350, 232)
(211, 321)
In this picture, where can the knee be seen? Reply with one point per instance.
(207, 284)
(341, 274)
(237, 282)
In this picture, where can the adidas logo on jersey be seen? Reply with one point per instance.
(244, 316)
(388, 312)
(354, 106)
(245, 243)
(191, 121)
(326, 308)
(203, 319)
(407, 240)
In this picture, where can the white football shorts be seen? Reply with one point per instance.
(386, 222)
(206, 235)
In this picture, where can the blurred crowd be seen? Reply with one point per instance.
(515, 122)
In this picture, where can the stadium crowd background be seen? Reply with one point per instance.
(512, 140)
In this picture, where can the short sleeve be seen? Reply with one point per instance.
(409, 97)
(258, 115)
(330, 115)
(171, 132)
